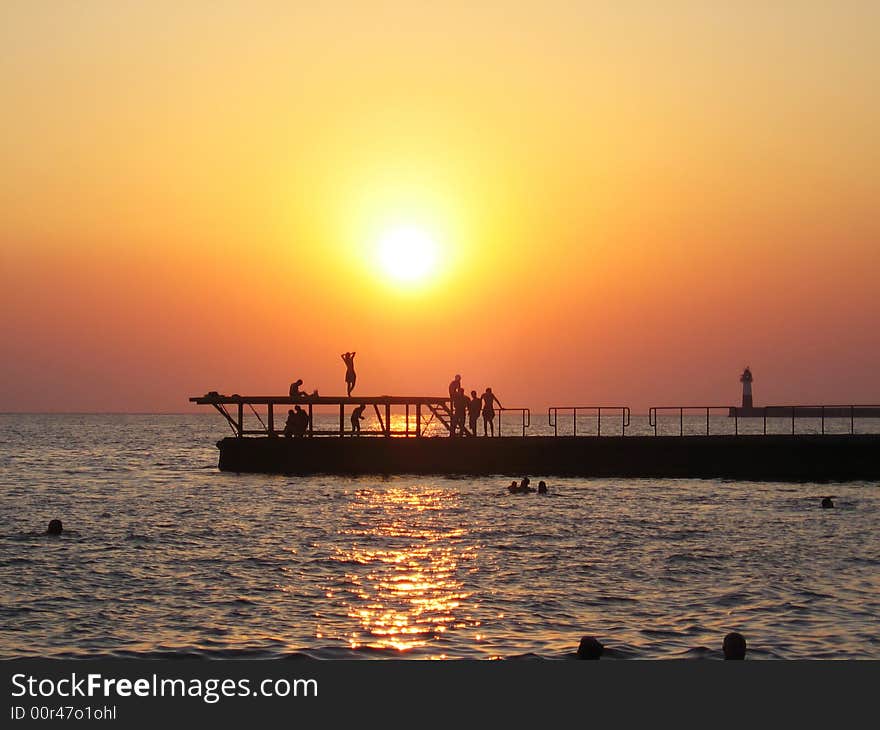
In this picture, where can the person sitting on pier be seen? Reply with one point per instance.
(290, 425)
(295, 392)
(350, 374)
(302, 422)
(474, 407)
(489, 401)
(357, 415)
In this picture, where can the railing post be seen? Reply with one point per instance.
(599, 423)
(765, 420)
(240, 419)
(792, 420)
(823, 420)
(341, 420)
(418, 420)
(406, 426)
(387, 420)
(707, 420)
(500, 413)
(311, 427)
(681, 421)
(270, 419)
(574, 421)
(852, 420)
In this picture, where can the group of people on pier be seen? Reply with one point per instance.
(465, 411)
(468, 409)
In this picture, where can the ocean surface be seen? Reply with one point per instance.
(168, 557)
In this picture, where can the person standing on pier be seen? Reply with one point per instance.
(350, 374)
(474, 406)
(453, 389)
(460, 408)
(357, 415)
(489, 401)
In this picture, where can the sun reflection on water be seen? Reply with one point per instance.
(403, 588)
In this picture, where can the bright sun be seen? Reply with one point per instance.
(407, 254)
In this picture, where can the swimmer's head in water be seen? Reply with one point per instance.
(55, 527)
(734, 646)
(590, 648)
(827, 503)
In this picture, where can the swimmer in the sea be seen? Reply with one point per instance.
(542, 487)
(55, 527)
(734, 646)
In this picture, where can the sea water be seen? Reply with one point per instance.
(167, 556)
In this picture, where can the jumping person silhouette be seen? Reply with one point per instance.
(350, 374)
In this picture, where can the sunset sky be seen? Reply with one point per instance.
(619, 203)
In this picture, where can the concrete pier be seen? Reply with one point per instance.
(801, 458)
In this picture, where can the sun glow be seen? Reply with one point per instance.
(407, 254)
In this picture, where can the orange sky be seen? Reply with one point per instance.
(630, 204)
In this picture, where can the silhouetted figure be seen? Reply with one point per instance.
(513, 488)
(357, 415)
(542, 487)
(590, 648)
(290, 425)
(55, 527)
(746, 379)
(453, 388)
(302, 422)
(734, 646)
(295, 391)
(489, 401)
(524, 485)
(474, 408)
(350, 374)
(827, 503)
(459, 411)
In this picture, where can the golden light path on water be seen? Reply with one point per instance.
(408, 596)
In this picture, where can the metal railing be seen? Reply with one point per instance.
(653, 411)
(794, 412)
(553, 417)
(819, 411)
(526, 416)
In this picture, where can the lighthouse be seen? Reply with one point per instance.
(746, 379)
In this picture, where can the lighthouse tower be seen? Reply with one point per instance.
(746, 379)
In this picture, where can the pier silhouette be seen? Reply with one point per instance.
(409, 447)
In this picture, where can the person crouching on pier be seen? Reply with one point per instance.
(489, 401)
(357, 415)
